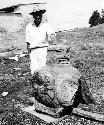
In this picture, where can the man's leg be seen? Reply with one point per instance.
(34, 65)
(42, 56)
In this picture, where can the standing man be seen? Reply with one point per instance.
(38, 34)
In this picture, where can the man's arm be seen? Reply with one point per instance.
(28, 38)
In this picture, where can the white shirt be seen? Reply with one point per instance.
(36, 36)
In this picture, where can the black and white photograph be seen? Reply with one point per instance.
(51, 62)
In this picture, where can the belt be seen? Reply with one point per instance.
(37, 47)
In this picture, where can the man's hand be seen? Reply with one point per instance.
(52, 39)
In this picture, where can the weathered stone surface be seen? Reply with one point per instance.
(44, 83)
(43, 76)
(59, 86)
(66, 88)
(52, 86)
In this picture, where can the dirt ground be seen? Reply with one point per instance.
(87, 57)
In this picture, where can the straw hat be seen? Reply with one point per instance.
(37, 11)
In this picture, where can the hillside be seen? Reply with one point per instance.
(81, 48)
(82, 36)
(77, 38)
(84, 49)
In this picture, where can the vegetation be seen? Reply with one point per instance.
(83, 49)
(96, 18)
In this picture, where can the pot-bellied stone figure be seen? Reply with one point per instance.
(59, 89)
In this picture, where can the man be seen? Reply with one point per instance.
(38, 34)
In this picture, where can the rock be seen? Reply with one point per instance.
(4, 93)
(56, 85)
(43, 76)
(59, 86)
(66, 88)
(43, 84)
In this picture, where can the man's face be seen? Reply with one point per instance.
(37, 19)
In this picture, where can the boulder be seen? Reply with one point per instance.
(59, 87)
(43, 83)
(66, 88)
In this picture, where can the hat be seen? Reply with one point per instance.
(37, 12)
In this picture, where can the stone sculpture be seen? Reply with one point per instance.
(58, 90)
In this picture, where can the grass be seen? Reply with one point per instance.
(84, 50)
